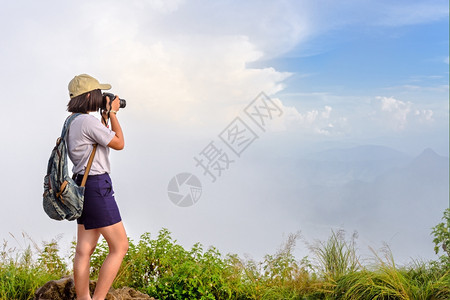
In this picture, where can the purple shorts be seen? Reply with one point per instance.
(100, 208)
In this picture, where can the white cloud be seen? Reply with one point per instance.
(176, 62)
(425, 115)
(163, 6)
(313, 122)
(274, 27)
(327, 112)
(398, 114)
(192, 82)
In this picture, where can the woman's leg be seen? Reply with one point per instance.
(86, 243)
(117, 240)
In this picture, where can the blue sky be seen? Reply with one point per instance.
(357, 60)
(349, 66)
(345, 73)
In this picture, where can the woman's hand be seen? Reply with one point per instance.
(115, 104)
(115, 107)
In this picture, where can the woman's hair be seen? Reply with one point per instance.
(90, 101)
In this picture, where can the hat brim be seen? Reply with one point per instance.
(104, 86)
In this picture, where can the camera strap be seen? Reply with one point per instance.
(105, 122)
(88, 167)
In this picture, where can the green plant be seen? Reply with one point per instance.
(164, 269)
(441, 233)
(21, 275)
(336, 257)
(385, 280)
(284, 277)
(50, 261)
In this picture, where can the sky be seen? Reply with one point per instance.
(335, 74)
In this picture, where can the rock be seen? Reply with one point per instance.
(126, 293)
(64, 289)
(56, 289)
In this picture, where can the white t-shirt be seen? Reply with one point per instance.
(85, 131)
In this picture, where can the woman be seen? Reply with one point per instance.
(100, 212)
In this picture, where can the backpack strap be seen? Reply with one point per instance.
(91, 157)
(67, 124)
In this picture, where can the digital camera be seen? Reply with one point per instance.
(111, 96)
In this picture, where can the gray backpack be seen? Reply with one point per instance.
(63, 198)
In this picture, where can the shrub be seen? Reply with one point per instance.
(441, 233)
(21, 275)
(164, 269)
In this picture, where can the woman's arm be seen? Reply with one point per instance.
(118, 142)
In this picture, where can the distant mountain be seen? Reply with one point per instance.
(359, 153)
(435, 167)
(384, 194)
(336, 167)
(420, 186)
(393, 196)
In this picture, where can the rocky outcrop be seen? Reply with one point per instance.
(127, 293)
(64, 289)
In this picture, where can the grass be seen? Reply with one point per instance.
(163, 269)
(21, 274)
